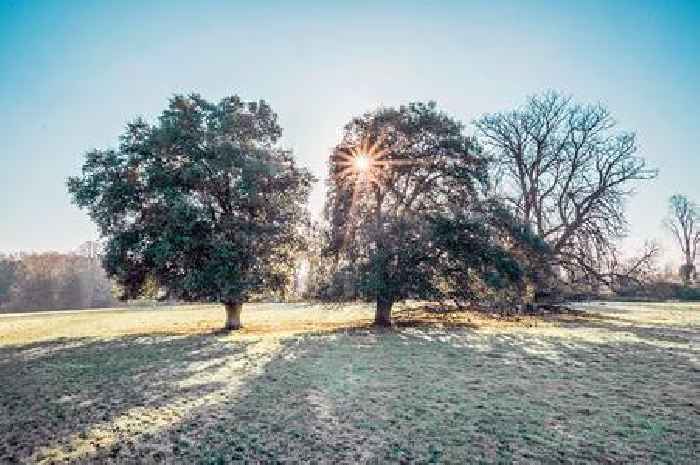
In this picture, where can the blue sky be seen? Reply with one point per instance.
(73, 73)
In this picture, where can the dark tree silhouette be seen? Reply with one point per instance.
(407, 211)
(203, 202)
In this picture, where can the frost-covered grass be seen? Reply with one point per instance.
(304, 383)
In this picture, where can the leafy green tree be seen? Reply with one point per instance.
(407, 209)
(489, 256)
(203, 201)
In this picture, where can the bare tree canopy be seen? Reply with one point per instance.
(682, 220)
(567, 171)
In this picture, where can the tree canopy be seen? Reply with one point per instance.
(10, 269)
(567, 172)
(202, 201)
(407, 209)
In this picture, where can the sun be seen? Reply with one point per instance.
(368, 164)
(364, 167)
(362, 162)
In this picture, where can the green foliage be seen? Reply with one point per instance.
(423, 225)
(689, 293)
(470, 248)
(202, 201)
(489, 255)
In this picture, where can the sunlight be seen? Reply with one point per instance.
(370, 163)
(228, 374)
(362, 162)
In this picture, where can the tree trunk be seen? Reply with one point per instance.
(689, 265)
(233, 315)
(382, 316)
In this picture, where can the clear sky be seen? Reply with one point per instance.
(73, 73)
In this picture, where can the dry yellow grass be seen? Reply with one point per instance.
(263, 320)
(180, 320)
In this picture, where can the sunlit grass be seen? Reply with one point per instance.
(310, 383)
(268, 320)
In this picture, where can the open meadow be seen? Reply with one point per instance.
(311, 384)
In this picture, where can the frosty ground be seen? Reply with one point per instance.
(305, 382)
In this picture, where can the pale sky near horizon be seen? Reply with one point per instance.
(73, 73)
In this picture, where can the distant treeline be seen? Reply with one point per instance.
(53, 281)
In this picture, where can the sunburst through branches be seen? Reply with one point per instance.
(367, 164)
(362, 164)
(363, 168)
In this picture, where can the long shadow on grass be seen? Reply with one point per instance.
(425, 394)
(654, 333)
(67, 392)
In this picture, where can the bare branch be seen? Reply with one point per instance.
(569, 170)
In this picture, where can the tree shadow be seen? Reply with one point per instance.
(616, 324)
(423, 393)
(441, 394)
(56, 391)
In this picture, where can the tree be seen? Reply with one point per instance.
(52, 281)
(683, 221)
(203, 201)
(403, 182)
(10, 270)
(489, 258)
(316, 268)
(40, 281)
(97, 289)
(567, 172)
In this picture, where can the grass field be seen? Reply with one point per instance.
(304, 383)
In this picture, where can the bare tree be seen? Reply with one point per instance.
(607, 267)
(567, 172)
(52, 281)
(10, 271)
(682, 220)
